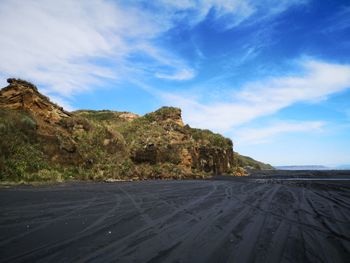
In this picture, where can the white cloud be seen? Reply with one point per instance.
(62, 103)
(232, 12)
(54, 42)
(316, 81)
(70, 46)
(269, 132)
(181, 75)
(196, 11)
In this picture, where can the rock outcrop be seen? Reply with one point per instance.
(40, 139)
(162, 137)
(22, 95)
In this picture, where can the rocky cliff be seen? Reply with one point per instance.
(41, 141)
(22, 95)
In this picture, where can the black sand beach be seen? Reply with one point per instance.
(237, 220)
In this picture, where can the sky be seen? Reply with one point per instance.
(272, 75)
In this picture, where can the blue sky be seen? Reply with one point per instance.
(272, 75)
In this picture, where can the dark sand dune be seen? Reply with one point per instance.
(239, 220)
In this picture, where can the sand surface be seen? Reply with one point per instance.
(239, 220)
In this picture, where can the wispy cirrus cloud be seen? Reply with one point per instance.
(230, 12)
(71, 46)
(269, 132)
(181, 75)
(315, 81)
(56, 42)
(339, 21)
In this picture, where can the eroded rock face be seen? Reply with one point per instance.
(209, 159)
(212, 159)
(170, 115)
(128, 116)
(173, 142)
(110, 142)
(22, 95)
(59, 133)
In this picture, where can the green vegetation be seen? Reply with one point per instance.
(25, 153)
(208, 137)
(20, 152)
(22, 82)
(103, 115)
(163, 113)
(99, 145)
(247, 162)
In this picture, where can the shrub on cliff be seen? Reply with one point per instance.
(20, 151)
(41, 141)
(210, 138)
(247, 162)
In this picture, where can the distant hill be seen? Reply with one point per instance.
(249, 163)
(343, 167)
(42, 141)
(302, 167)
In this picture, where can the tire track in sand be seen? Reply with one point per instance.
(51, 248)
(112, 248)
